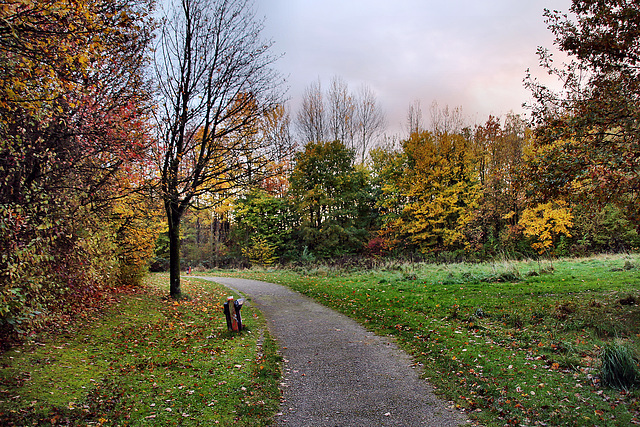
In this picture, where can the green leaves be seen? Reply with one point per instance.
(333, 199)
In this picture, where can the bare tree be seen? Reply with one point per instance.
(370, 120)
(414, 118)
(215, 82)
(341, 112)
(445, 120)
(275, 128)
(355, 120)
(310, 120)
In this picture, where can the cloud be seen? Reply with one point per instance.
(460, 53)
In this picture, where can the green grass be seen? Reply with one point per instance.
(147, 361)
(511, 343)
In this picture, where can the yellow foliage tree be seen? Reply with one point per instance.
(437, 189)
(260, 252)
(546, 222)
(137, 227)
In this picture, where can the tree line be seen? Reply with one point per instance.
(464, 194)
(125, 139)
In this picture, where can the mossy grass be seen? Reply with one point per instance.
(148, 360)
(511, 343)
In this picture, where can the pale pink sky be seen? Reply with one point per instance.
(468, 53)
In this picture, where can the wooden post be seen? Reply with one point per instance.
(232, 313)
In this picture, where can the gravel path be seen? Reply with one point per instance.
(336, 372)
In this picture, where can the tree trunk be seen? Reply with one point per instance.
(217, 241)
(174, 253)
(198, 232)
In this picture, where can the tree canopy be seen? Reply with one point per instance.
(102, 133)
(587, 138)
(73, 110)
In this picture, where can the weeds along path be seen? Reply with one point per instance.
(337, 372)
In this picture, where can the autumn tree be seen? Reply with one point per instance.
(436, 191)
(134, 220)
(89, 119)
(73, 104)
(274, 130)
(546, 222)
(387, 165)
(268, 218)
(215, 82)
(588, 131)
(499, 147)
(213, 228)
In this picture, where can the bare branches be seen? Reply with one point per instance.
(310, 120)
(341, 111)
(356, 120)
(414, 118)
(215, 82)
(369, 118)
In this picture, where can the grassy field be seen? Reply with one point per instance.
(147, 361)
(511, 343)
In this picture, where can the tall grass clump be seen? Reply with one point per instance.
(619, 367)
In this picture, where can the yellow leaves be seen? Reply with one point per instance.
(438, 190)
(546, 221)
(136, 227)
(509, 215)
(260, 252)
(541, 150)
(45, 44)
(83, 59)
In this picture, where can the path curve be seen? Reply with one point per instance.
(336, 372)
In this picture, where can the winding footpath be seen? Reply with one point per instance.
(336, 372)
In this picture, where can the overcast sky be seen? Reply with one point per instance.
(468, 53)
